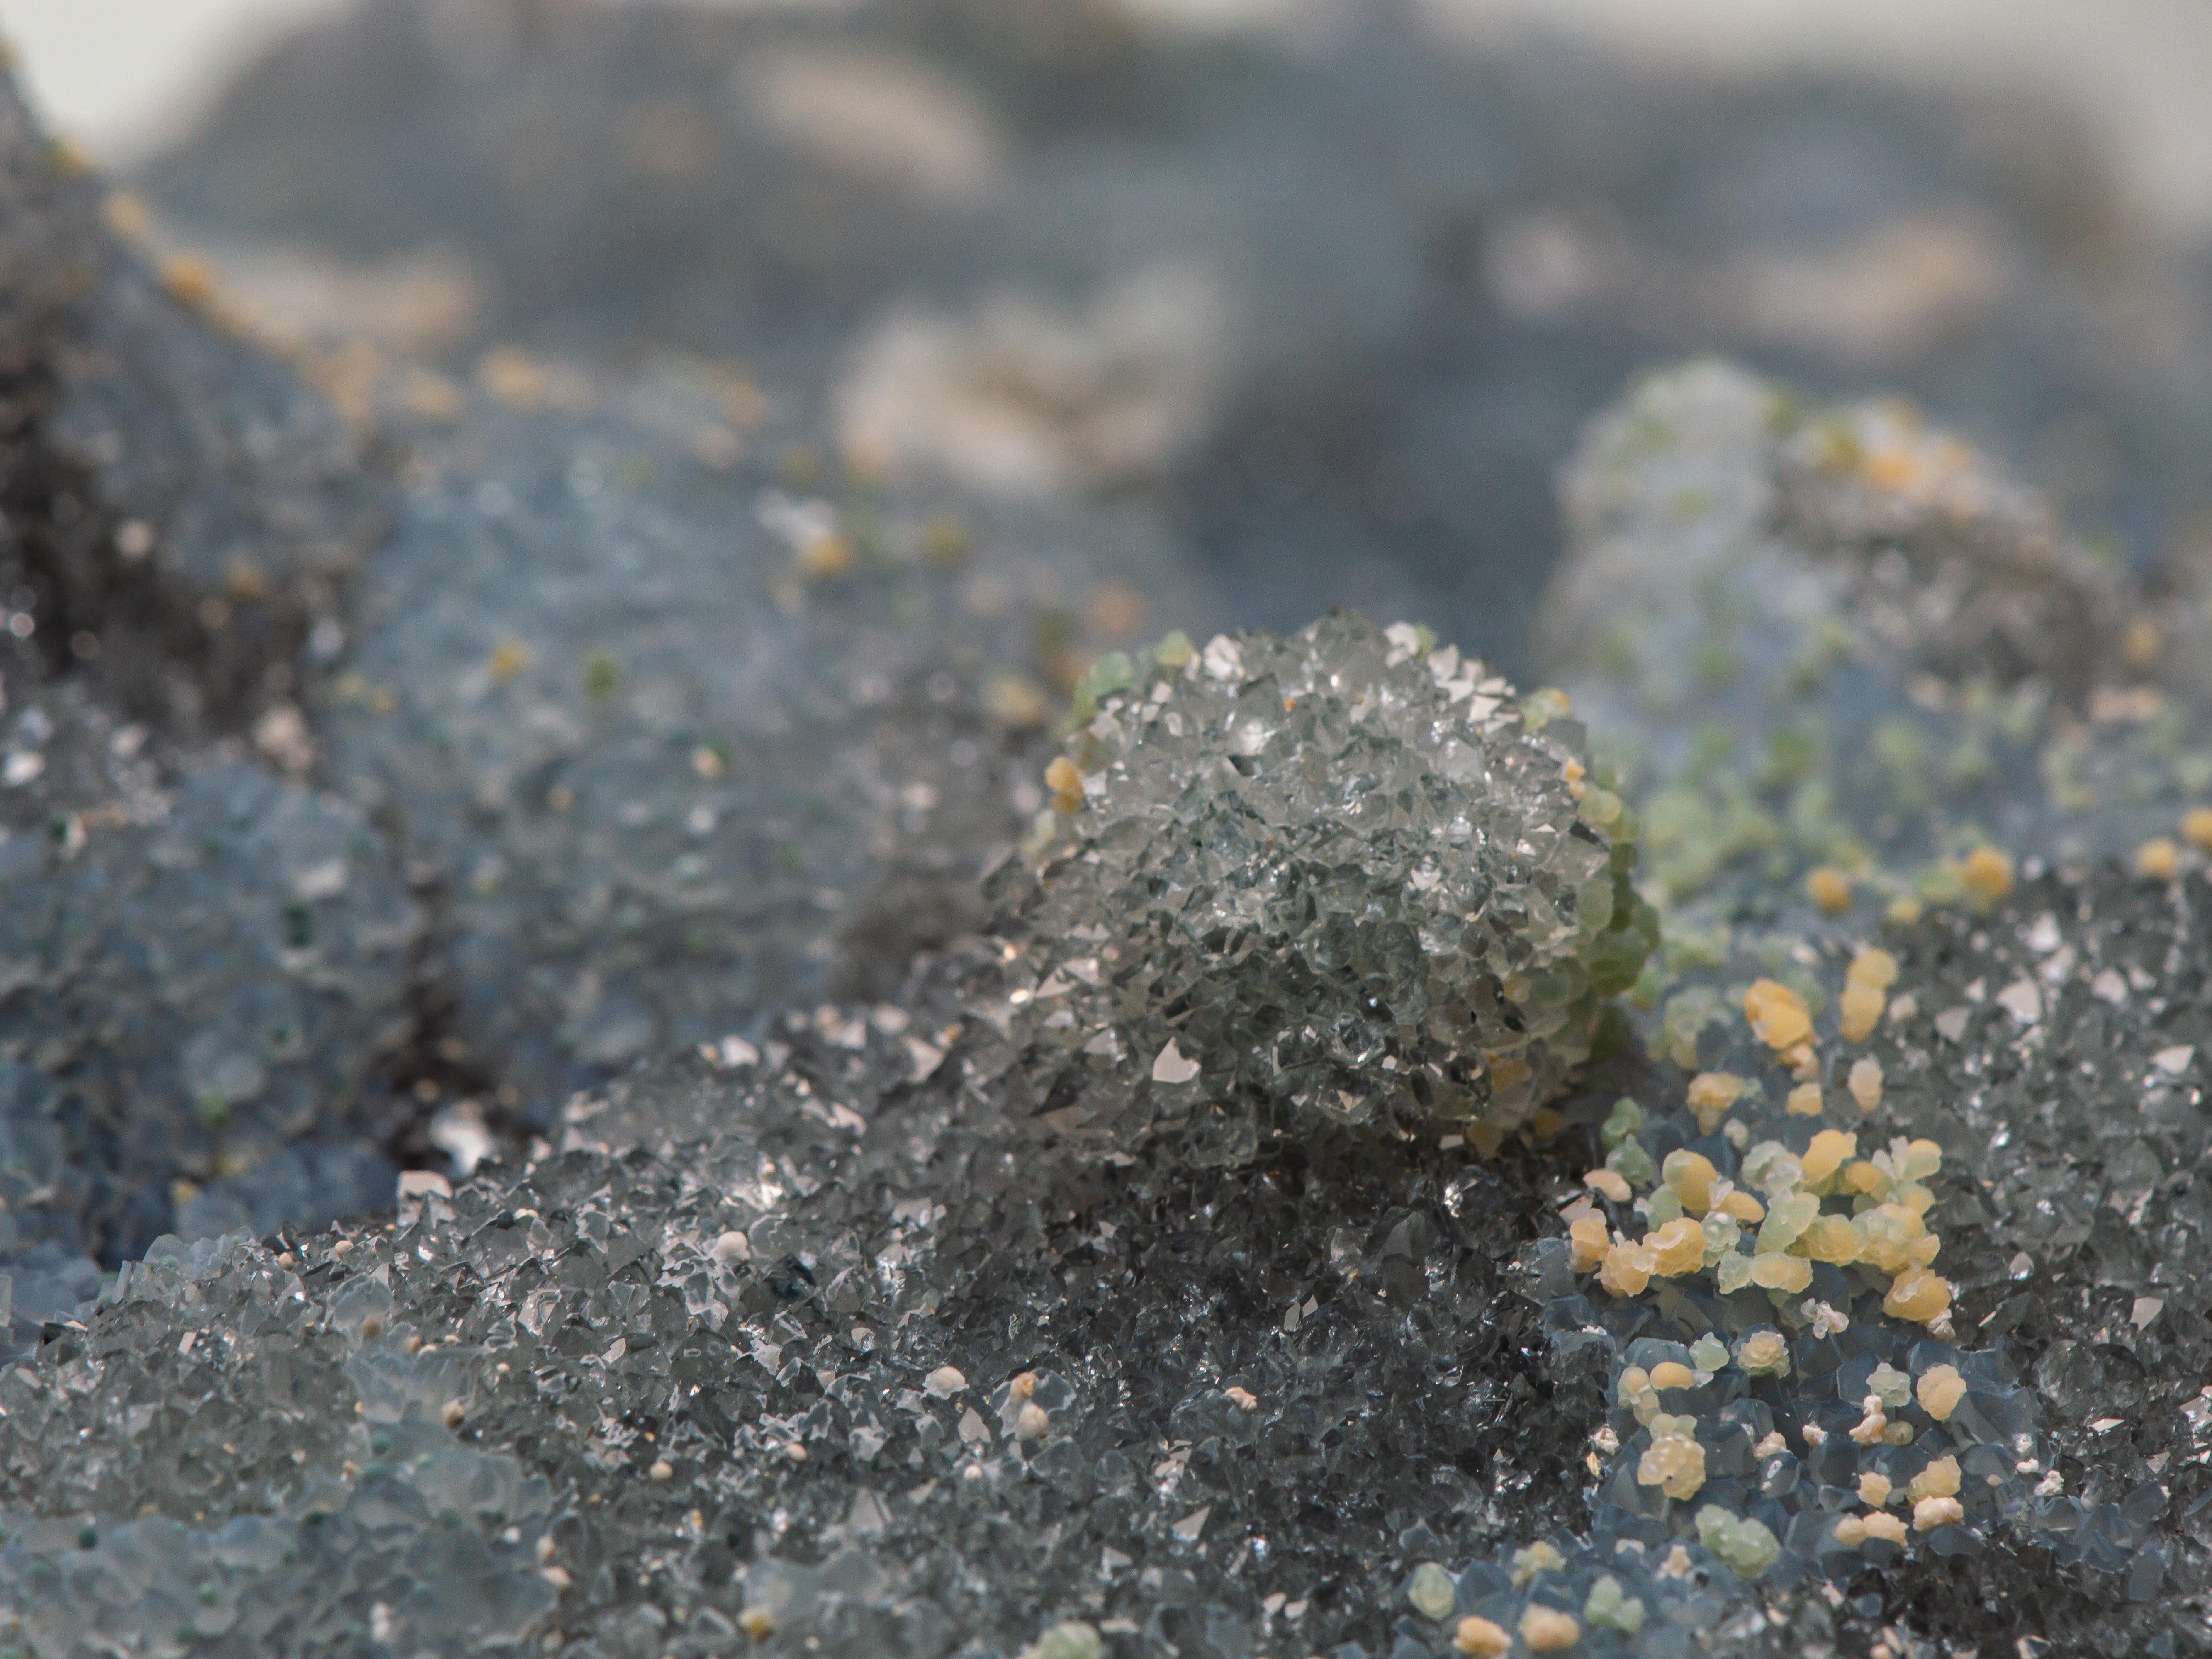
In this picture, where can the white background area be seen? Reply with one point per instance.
(121, 76)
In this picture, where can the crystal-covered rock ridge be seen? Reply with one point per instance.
(1338, 876)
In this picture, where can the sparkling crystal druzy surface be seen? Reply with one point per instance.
(804, 1350)
(1340, 875)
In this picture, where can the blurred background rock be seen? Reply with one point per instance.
(1325, 288)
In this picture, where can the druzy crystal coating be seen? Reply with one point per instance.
(1850, 1301)
(1345, 875)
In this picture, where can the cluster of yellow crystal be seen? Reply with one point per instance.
(1701, 1220)
(1825, 1205)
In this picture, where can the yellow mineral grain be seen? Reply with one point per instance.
(1931, 1513)
(1678, 1248)
(1777, 1014)
(1611, 1182)
(189, 280)
(1764, 1353)
(1939, 1479)
(1940, 1390)
(1478, 1638)
(1628, 1269)
(1873, 1489)
(1917, 1295)
(1986, 875)
(1889, 1528)
(1065, 783)
(508, 659)
(2158, 859)
(1711, 1094)
(1674, 1462)
(1865, 1082)
(1858, 1011)
(1771, 1270)
(1828, 1153)
(1851, 1532)
(1887, 1234)
(1673, 1374)
(2197, 827)
(1830, 890)
(1588, 1241)
(1898, 465)
(825, 557)
(1542, 1556)
(1873, 966)
(1690, 1175)
(1546, 1630)
(1742, 1206)
(1634, 1391)
(1832, 1239)
(1872, 1428)
(1804, 1100)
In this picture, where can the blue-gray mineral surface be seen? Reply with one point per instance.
(814, 842)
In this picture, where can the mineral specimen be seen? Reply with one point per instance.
(1260, 1240)
(781, 1275)
(1339, 877)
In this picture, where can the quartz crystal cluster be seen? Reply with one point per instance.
(807, 1345)
(803, 1348)
(1339, 877)
(290, 1485)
